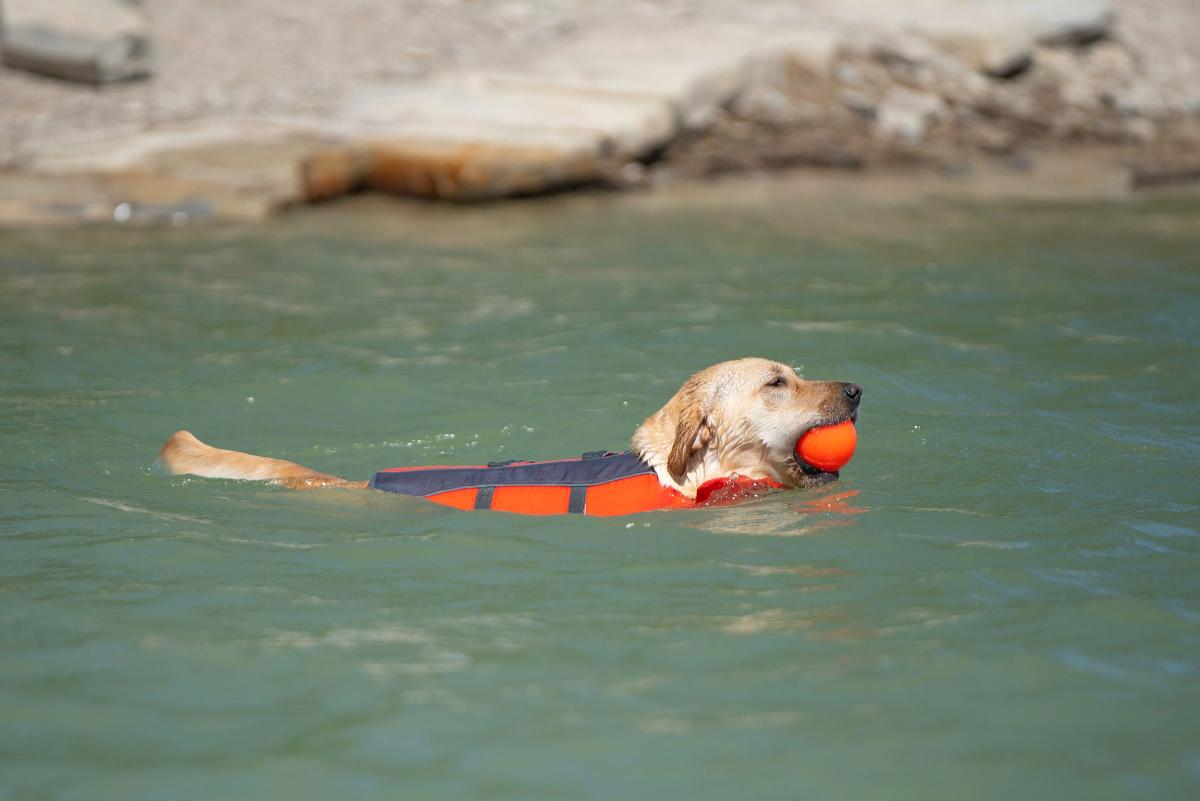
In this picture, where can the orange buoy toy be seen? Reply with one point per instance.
(828, 448)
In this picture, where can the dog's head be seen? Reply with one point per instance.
(743, 417)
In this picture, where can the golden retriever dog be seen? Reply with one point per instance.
(737, 418)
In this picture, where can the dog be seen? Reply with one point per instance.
(737, 420)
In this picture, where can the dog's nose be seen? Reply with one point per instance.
(852, 391)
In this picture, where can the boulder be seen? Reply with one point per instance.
(92, 41)
(905, 114)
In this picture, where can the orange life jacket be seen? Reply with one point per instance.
(598, 483)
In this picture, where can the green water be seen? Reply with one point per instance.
(1006, 607)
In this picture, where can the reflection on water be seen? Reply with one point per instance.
(996, 601)
(820, 511)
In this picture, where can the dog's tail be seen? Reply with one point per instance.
(184, 453)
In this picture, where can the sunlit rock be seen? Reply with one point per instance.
(93, 41)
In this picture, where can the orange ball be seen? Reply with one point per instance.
(828, 448)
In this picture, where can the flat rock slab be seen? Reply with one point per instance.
(475, 137)
(477, 108)
(238, 169)
(575, 114)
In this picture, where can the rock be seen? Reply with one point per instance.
(1166, 172)
(812, 51)
(990, 138)
(696, 69)
(477, 137)
(93, 41)
(905, 114)
(577, 114)
(1140, 130)
(1084, 92)
(1173, 158)
(996, 52)
(329, 173)
(999, 40)
(601, 97)
(1068, 22)
(859, 102)
(511, 108)
(793, 86)
(774, 106)
(241, 170)
(437, 169)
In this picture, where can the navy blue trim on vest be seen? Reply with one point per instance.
(569, 473)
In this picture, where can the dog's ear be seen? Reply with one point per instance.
(692, 433)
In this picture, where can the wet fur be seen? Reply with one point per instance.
(741, 416)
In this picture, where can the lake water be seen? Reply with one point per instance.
(999, 600)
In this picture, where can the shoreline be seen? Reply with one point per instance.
(1086, 92)
(1053, 177)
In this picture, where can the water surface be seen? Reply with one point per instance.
(999, 600)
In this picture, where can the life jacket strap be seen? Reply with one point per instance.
(577, 500)
(483, 498)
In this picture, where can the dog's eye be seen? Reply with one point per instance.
(777, 381)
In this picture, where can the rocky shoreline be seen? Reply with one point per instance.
(520, 98)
